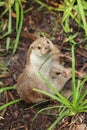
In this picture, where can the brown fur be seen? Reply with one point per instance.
(45, 56)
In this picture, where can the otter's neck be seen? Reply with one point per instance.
(37, 61)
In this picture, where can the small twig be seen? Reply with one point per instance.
(11, 96)
(63, 126)
(3, 112)
(85, 66)
(82, 53)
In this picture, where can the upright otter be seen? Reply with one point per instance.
(44, 56)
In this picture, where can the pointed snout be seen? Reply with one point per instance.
(47, 47)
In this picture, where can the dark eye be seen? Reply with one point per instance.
(32, 47)
(58, 73)
(39, 47)
(48, 42)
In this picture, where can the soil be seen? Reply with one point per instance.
(20, 116)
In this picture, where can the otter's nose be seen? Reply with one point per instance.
(47, 47)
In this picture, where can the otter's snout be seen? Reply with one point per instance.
(47, 47)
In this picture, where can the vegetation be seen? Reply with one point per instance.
(68, 107)
(12, 7)
(11, 102)
(75, 9)
(71, 9)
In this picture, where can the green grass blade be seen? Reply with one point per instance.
(73, 69)
(66, 15)
(48, 94)
(82, 83)
(20, 27)
(84, 3)
(83, 95)
(62, 98)
(8, 104)
(80, 6)
(73, 76)
(58, 119)
(2, 4)
(71, 37)
(17, 14)
(6, 88)
(9, 27)
(42, 4)
(77, 94)
(52, 107)
(83, 108)
(84, 102)
(3, 67)
(5, 11)
(7, 43)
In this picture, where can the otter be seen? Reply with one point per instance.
(42, 56)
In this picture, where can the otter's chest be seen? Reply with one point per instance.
(42, 64)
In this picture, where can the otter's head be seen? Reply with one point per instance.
(41, 47)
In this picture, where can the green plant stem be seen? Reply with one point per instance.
(6, 88)
(17, 14)
(82, 15)
(58, 120)
(52, 107)
(9, 27)
(8, 104)
(20, 27)
(73, 73)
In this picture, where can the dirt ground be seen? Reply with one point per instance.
(20, 116)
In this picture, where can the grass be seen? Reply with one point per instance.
(72, 9)
(75, 9)
(11, 7)
(78, 103)
(11, 102)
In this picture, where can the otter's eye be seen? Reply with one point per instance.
(32, 47)
(39, 47)
(48, 42)
(58, 73)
